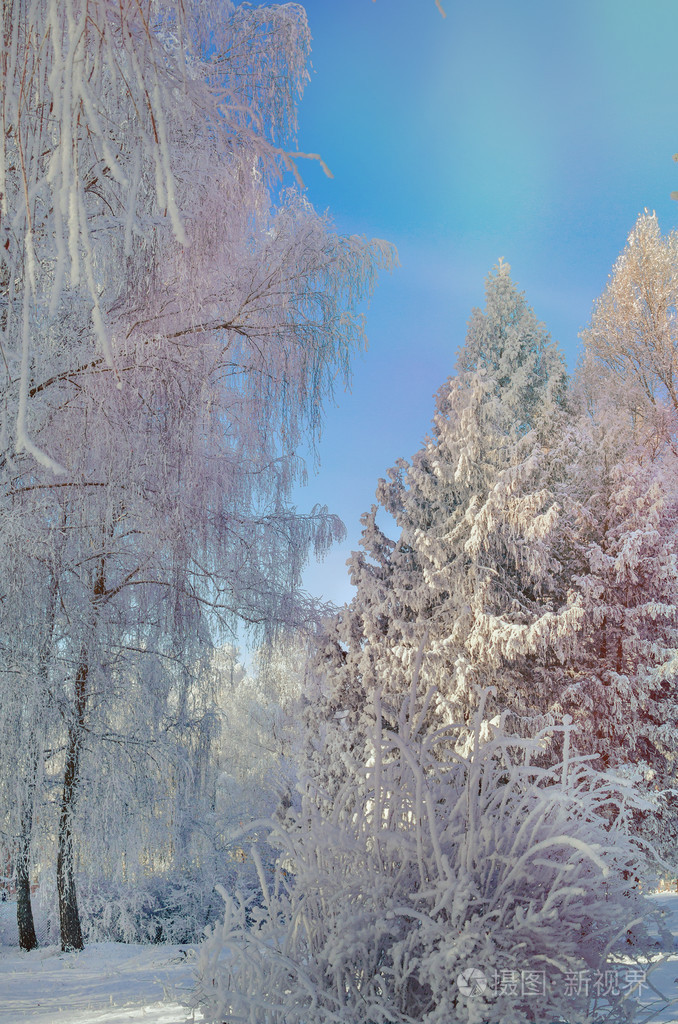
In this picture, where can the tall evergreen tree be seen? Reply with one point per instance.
(472, 574)
(537, 554)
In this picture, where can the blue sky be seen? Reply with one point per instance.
(528, 130)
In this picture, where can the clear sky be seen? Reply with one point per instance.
(529, 130)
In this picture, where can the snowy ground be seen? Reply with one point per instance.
(111, 983)
(662, 1004)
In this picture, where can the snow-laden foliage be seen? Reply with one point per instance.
(260, 736)
(170, 332)
(632, 340)
(114, 114)
(618, 481)
(536, 552)
(140, 142)
(618, 548)
(159, 908)
(473, 567)
(160, 823)
(622, 533)
(426, 864)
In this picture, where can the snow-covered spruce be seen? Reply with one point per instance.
(536, 544)
(430, 863)
(619, 542)
(616, 480)
(473, 566)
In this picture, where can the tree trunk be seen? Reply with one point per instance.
(69, 917)
(24, 909)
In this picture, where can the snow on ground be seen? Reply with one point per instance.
(664, 975)
(112, 983)
(108, 983)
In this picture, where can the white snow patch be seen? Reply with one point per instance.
(108, 983)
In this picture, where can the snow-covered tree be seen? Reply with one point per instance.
(256, 757)
(618, 483)
(170, 331)
(621, 490)
(114, 117)
(473, 569)
(259, 712)
(619, 544)
(632, 340)
(620, 539)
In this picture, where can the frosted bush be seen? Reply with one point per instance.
(428, 864)
(165, 908)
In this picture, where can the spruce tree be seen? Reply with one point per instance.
(472, 577)
(619, 543)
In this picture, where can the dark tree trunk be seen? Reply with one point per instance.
(69, 917)
(24, 909)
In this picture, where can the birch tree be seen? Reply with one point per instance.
(114, 115)
(170, 331)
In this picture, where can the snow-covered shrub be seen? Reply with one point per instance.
(172, 907)
(162, 908)
(428, 864)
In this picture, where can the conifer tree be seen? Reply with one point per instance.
(622, 533)
(618, 487)
(620, 479)
(473, 574)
